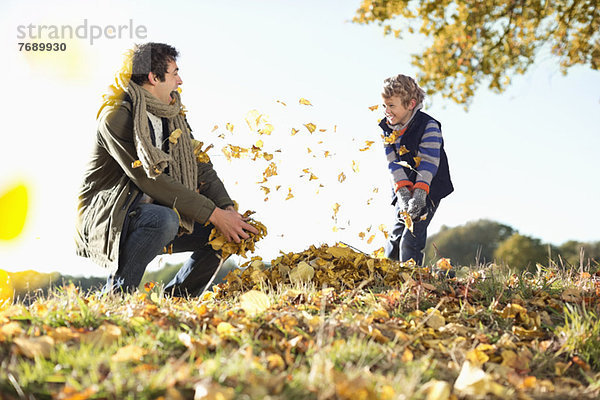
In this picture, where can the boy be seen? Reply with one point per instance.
(417, 161)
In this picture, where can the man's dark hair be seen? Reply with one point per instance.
(151, 57)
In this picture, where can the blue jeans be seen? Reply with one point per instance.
(404, 244)
(149, 229)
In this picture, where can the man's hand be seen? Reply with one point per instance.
(417, 203)
(231, 224)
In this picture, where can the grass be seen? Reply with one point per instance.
(534, 335)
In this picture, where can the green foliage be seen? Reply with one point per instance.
(521, 252)
(465, 245)
(581, 334)
(472, 42)
(575, 253)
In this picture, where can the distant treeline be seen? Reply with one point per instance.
(485, 241)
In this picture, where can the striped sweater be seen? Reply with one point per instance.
(428, 156)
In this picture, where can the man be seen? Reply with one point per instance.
(144, 190)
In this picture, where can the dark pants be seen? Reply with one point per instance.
(150, 228)
(404, 244)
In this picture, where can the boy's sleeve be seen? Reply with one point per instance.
(429, 152)
(397, 171)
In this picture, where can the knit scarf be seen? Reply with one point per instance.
(181, 161)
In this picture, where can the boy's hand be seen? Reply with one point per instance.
(417, 203)
(404, 196)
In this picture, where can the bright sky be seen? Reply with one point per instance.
(527, 158)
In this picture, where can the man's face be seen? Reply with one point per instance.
(395, 112)
(172, 81)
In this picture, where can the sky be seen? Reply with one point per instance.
(526, 157)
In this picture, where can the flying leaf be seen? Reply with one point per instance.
(341, 177)
(136, 164)
(368, 144)
(214, 128)
(354, 166)
(417, 161)
(290, 195)
(403, 150)
(294, 131)
(336, 208)
(13, 211)
(304, 102)
(174, 136)
(375, 107)
(282, 103)
(407, 220)
(311, 127)
(229, 127)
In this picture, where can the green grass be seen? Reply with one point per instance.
(371, 341)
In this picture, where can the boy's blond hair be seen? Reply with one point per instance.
(404, 87)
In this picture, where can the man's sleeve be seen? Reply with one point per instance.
(211, 186)
(116, 135)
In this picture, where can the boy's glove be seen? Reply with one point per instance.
(416, 203)
(404, 196)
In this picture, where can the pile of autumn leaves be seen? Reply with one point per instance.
(326, 323)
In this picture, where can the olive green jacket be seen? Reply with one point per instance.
(111, 185)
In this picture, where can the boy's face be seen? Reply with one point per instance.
(395, 111)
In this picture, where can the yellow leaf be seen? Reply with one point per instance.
(13, 211)
(444, 263)
(473, 381)
(435, 320)
(33, 347)
(294, 131)
(129, 353)
(302, 273)
(254, 302)
(290, 195)
(375, 107)
(275, 361)
(403, 150)
(571, 295)
(407, 220)
(354, 166)
(106, 334)
(477, 357)
(370, 240)
(214, 128)
(368, 144)
(312, 177)
(282, 103)
(341, 177)
(6, 290)
(225, 329)
(174, 136)
(304, 101)
(229, 127)
(9, 330)
(266, 130)
(417, 161)
(336, 208)
(311, 127)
